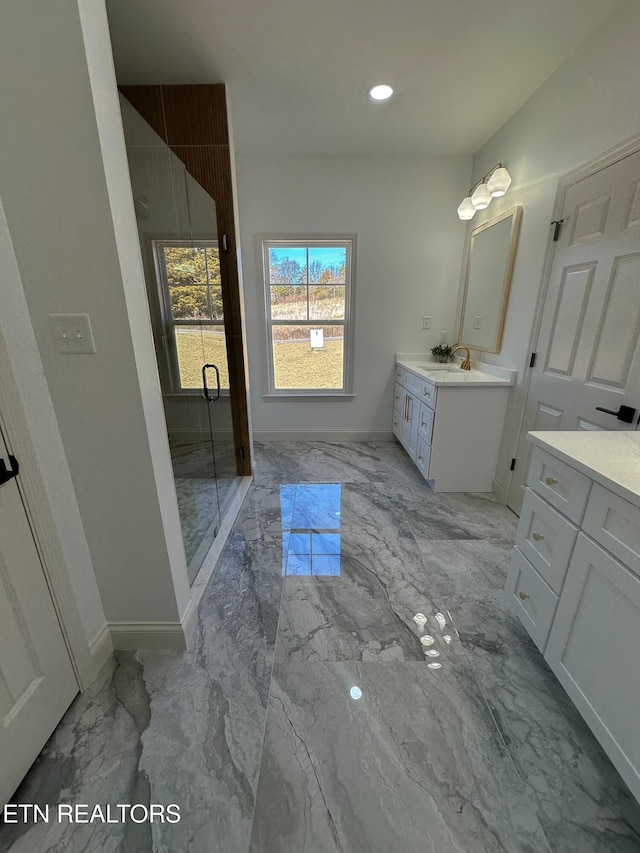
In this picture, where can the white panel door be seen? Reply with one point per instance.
(587, 350)
(37, 682)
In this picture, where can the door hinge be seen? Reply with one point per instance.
(513, 464)
(532, 360)
(225, 243)
(556, 230)
(243, 454)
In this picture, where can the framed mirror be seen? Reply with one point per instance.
(492, 251)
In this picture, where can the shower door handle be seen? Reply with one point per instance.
(205, 389)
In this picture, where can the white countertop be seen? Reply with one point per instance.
(610, 458)
(451, 374)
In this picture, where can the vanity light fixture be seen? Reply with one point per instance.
(495, 183)
(381, 92)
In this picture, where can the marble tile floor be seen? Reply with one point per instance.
(307, 719)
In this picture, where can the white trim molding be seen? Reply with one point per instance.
(324, 435)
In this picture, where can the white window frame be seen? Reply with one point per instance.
(166, 315)
(264, 242)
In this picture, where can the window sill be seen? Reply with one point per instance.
(329, 395)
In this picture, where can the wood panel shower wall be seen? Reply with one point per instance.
(192, 121)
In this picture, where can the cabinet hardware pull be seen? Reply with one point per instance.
(523, 596)
(427, 393)
(551, 481)
(538, 537)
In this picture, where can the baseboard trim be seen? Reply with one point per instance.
(323, 435)
(148, 635)
(496, 490)
(101, 648)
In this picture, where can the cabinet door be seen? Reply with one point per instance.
(593, 649)
(412, 424)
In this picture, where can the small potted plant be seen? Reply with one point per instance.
(442, 352)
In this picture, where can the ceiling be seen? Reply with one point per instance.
(298, 70)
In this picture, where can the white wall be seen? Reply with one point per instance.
(65, 188)
(17, 333)
(409, 248)
(591, 103)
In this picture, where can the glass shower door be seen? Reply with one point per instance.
(177, 227)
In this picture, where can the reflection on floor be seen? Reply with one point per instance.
(308, 716)
(204, 492)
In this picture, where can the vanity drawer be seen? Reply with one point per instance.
(546, 539)
(530, 598)
(562, 486)
(422, 457)
(615, 524)
(398, 397)
(400, 375)
(425, 425)
(428, 394)
(413, 383)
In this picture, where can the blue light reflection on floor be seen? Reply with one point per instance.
(310, 519)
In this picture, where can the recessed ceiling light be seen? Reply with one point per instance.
(381, 92)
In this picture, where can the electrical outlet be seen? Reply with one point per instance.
(477, 322)
(426, 321)
(72, 333)
(444, 337)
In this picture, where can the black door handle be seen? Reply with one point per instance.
(205, 389)
(624, 413)
(8, 474)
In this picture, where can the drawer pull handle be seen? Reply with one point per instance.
(551, 481)
(538, 537)
(523, 596)
(427, 393)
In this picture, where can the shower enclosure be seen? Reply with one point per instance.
(176, 221)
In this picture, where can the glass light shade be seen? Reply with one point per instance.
(481, 197)
(466, 209)
(499, 182)
(381, 92)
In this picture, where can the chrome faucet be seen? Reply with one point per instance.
(466, 362)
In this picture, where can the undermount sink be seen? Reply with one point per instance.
(444, 367)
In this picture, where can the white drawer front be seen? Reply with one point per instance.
(615, 524)
(413, 384)
(529, 597)
(546, 539)
(565, 488)
(422, 457)
(400, 375)
(425, 426)
(398, 398)
(428, 394)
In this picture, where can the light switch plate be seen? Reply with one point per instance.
(72, 333)
(426, 321)
(477, 322)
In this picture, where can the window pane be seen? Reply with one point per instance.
(213, 264)
(189, 302)
(288, 303)
(287, 265)
(215, 294)
(185, 265)
(308, 356)
(197, 346)
(326, 301)
(328, 264)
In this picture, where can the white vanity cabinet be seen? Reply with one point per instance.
(450, 422)
(574, 580)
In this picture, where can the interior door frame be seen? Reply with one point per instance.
(31, 486)
(586, 170)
